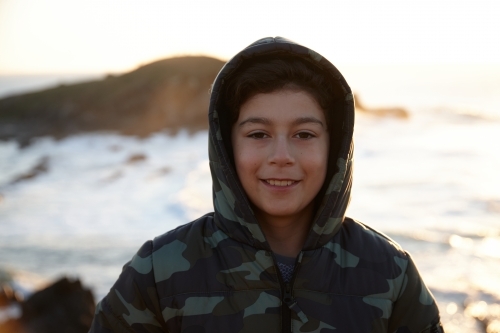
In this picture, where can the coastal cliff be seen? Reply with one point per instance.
(167, 94)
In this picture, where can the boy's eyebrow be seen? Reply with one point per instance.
(304, 120)
(265, 121)
(255, 120)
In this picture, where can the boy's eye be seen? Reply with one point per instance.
(304, 135)
(258, 135)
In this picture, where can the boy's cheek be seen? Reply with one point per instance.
(247, 158)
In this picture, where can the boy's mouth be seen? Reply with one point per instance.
(278, 182)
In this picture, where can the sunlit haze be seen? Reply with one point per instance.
(60, 36)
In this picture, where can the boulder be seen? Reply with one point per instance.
(65, 306)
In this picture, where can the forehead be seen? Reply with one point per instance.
(281, 106)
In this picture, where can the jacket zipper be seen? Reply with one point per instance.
(286, 317)
(287, 301)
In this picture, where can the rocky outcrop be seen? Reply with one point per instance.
(64, 306)
(168, 94)
(396, 112)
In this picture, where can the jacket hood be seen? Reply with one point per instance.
(233, 212)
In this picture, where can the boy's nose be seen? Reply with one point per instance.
(281, 153)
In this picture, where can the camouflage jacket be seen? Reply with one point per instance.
(218, 273)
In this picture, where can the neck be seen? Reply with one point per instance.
(286, 234)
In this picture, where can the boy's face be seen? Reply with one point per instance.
(281, 143)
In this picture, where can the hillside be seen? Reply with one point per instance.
(167, 94)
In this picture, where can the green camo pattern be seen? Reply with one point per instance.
(218, 273)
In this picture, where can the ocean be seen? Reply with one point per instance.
(430, 182)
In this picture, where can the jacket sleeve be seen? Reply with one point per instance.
(132, 303)
(415, 309)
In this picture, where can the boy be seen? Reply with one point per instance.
(278, 253)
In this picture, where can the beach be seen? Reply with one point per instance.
(429, 182)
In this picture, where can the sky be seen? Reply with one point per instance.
(98, 36)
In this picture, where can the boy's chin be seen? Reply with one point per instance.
(285, 212)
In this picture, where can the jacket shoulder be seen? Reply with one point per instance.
(129, 306)
(372, 261)
(179, 250)
(192, 232)
(364, 239)
(185, 232)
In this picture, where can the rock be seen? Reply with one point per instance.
(396, 112)
(164, 170)
(7, 295)
(159, 173)
(166, 95)
(64, 306)
(135, 158)
(41, 167)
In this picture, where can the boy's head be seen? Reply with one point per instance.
(280, 130)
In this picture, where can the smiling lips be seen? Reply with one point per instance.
(277, 182)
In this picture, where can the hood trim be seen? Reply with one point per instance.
(233, 212)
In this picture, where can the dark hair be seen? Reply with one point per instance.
(269, 74)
